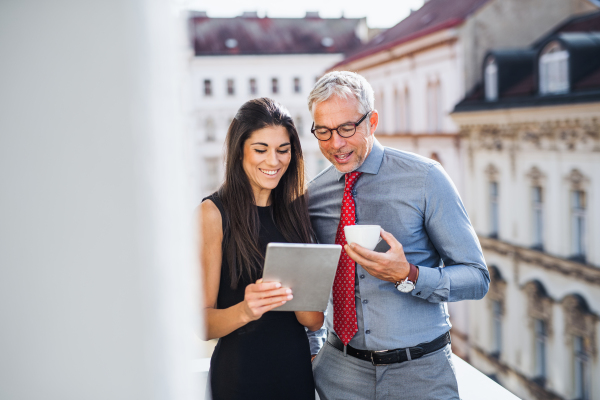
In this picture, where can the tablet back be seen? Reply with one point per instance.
(308, 269)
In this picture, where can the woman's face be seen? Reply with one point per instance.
(267, 154)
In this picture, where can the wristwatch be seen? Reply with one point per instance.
(408, 284)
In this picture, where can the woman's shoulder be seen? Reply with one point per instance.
(210, 212)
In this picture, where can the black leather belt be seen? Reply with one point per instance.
(385, 357)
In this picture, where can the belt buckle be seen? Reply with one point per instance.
(373, 360)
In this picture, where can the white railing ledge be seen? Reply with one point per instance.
(472, 384)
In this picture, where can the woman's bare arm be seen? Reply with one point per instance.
(259, 297)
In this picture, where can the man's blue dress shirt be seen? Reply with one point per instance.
(414, 199)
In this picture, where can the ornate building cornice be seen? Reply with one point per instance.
(573, 269)
(551, 135)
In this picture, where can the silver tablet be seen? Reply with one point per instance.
(307, 269)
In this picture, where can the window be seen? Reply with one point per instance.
(253, 86)
(497, 328)
(297, 86)
(275, 85)
(580, 328)
(491, 79)
(494, 222)
(541, 337)
(537, 214)
(578, 217)
(398, 110)
(207, 87)
(230, 87)
(407, 119)
(212, 178)
(210, 130)
(554, 69)
(434, 107)
(299, 125)
(580, 369)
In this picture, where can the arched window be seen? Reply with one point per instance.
(496, 296)
(539, 310)
(580, 328)
(554, 69)
(491, 79)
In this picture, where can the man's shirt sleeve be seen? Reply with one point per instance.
(464, 275)
(316, 339)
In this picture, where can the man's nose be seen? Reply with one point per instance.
(336, 140)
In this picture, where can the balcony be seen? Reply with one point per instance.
(472, 384)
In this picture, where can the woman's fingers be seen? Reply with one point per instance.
(257, 303)
(257, 291)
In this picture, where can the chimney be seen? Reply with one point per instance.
(312, 15)
(249, 14)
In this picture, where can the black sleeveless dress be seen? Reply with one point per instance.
(268, 358)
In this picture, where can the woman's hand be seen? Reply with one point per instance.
(261, 297)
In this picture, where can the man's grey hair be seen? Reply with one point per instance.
(343, 84)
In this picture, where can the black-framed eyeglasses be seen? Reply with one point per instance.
(344, 130)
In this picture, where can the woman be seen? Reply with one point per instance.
(260, 354)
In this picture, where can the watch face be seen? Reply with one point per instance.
(406, 286)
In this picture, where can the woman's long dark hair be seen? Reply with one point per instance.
(290, 212)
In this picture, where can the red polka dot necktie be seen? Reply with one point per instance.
(344, 306)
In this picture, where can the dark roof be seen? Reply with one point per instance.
(249, 34)
(518, 75)
(433, 16)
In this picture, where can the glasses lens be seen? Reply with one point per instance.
(347, 130)
(322, 133)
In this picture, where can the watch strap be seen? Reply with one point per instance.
(413, 273)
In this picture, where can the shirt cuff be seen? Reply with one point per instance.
(426, 282)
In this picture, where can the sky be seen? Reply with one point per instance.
(379, 13)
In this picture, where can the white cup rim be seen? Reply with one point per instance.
(363, 226)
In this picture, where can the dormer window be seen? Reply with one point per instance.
(554, 69)
(491, 79)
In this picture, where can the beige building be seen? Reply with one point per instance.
(531, 136)
(422, 67)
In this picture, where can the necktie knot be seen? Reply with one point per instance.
(351, 178)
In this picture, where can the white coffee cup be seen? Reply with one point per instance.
(365, 235)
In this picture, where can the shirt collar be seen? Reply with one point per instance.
(371, 164)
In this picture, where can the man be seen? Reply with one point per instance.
(387, 318)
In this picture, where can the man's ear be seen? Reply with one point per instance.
(374, 121)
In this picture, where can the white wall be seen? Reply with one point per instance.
(97, 295)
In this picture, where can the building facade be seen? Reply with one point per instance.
(531, 136)
(238, 59)
(422, 67)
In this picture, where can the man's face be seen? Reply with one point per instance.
(346, 154)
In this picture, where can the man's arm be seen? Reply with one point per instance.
(464, 275)
(316, 339)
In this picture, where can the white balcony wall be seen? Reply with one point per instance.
(97, 287)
